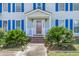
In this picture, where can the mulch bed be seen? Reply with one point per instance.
(56, 48)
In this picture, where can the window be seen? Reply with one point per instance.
(75, 6)
(39, 6)
(18, 7)
(17, 24)
(61, 6)
(5, 25)
(76, 26)
(61, 23)
(5, 6)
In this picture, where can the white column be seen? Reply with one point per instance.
(43, 27)
(32, 27)
(26, 29)
(50, 20)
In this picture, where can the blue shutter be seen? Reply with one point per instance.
(0, 7)
(56, 22)
(9, 24)
(9, 7)
(71, 24)
(13, 7)
(66, 7)
(22, 6)
(66, 23)
(71, 6)
(43, 6)
(56, 6)
(13, 24)
(0, 23)
(34, 6)
(22, 25)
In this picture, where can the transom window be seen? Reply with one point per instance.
(5, 6)
(76, 26)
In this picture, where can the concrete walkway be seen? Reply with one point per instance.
(35, 50)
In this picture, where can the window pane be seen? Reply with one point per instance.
(61, 23)
(39, 5)
(18, 24)
(61, 7)
(76, 6)
(76, 26)
(5, 6)
(5, 25)
(18, 7)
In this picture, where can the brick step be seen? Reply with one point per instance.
(37, 39)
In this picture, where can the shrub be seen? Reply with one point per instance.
(59, 36)
(2, 32)
(2, 36)
(16, 38)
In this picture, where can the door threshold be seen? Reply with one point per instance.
(37, 36)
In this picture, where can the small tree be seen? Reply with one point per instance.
(59, 36)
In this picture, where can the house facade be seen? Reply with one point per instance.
(36, 18)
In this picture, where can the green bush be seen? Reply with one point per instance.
(2, 32)
(2, 36)
(59, 36)
(16, 38)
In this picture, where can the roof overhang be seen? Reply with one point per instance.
(38, 14)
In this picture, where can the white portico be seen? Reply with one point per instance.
(37, 22)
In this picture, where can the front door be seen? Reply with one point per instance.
(38, 27)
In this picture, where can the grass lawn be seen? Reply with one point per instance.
(66, 53)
